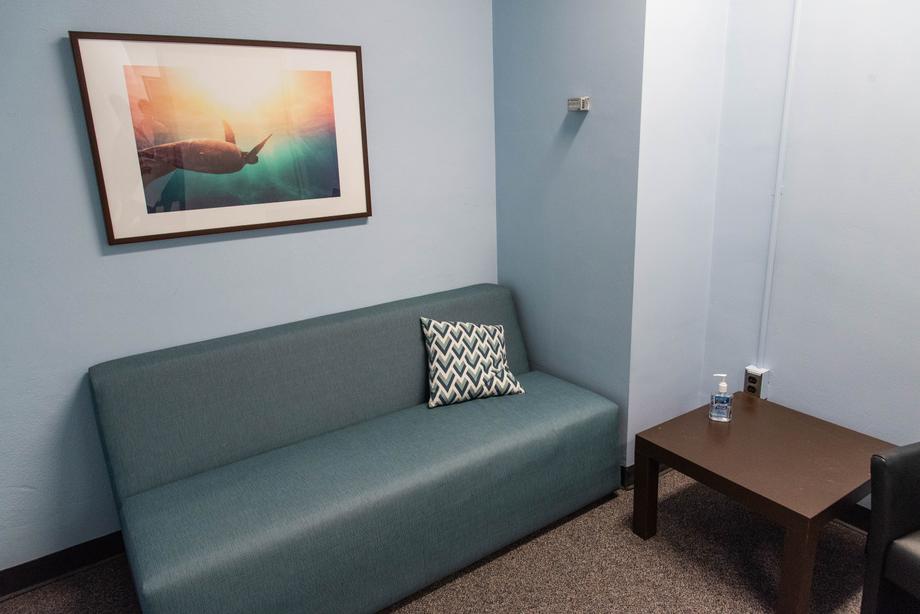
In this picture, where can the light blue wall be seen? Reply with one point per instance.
(68, 300)
(566, 182)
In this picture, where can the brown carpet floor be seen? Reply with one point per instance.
(710, 555)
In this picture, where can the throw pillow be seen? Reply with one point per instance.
(466, 361)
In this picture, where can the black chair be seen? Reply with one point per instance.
(893, 569)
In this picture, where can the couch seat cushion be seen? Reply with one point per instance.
(389, 505)
(903, 563)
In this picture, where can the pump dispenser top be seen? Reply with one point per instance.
(723, 385)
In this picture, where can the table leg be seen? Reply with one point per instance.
(799, 549)
(645, 496)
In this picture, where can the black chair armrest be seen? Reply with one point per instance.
(895, 511)
(895, 493)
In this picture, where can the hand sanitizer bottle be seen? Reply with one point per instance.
(720, 403)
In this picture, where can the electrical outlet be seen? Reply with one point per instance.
(755, 381)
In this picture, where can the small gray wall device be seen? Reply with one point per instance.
(581, 103)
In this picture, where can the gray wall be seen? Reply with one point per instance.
(68, 300)
(566, 182)
(678, 162)
(756, 54)
(843, 337)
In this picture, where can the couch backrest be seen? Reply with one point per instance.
(171, 413)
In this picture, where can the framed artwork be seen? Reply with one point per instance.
(202, 135)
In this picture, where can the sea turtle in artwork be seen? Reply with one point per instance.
(199, 155)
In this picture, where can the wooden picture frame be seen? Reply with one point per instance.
(194, 136)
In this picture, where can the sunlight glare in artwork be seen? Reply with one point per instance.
(236, 90)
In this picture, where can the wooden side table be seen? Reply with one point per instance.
(794, 469)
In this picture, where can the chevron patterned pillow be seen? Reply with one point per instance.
(466, 361)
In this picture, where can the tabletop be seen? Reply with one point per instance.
(797, 461)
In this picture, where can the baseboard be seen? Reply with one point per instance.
(57, 564)
(856, 516)
(628, 475)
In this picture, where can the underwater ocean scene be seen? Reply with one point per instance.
(225, 138)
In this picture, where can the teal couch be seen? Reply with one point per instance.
(298, 469)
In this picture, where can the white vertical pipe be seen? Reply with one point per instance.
(778, 188)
